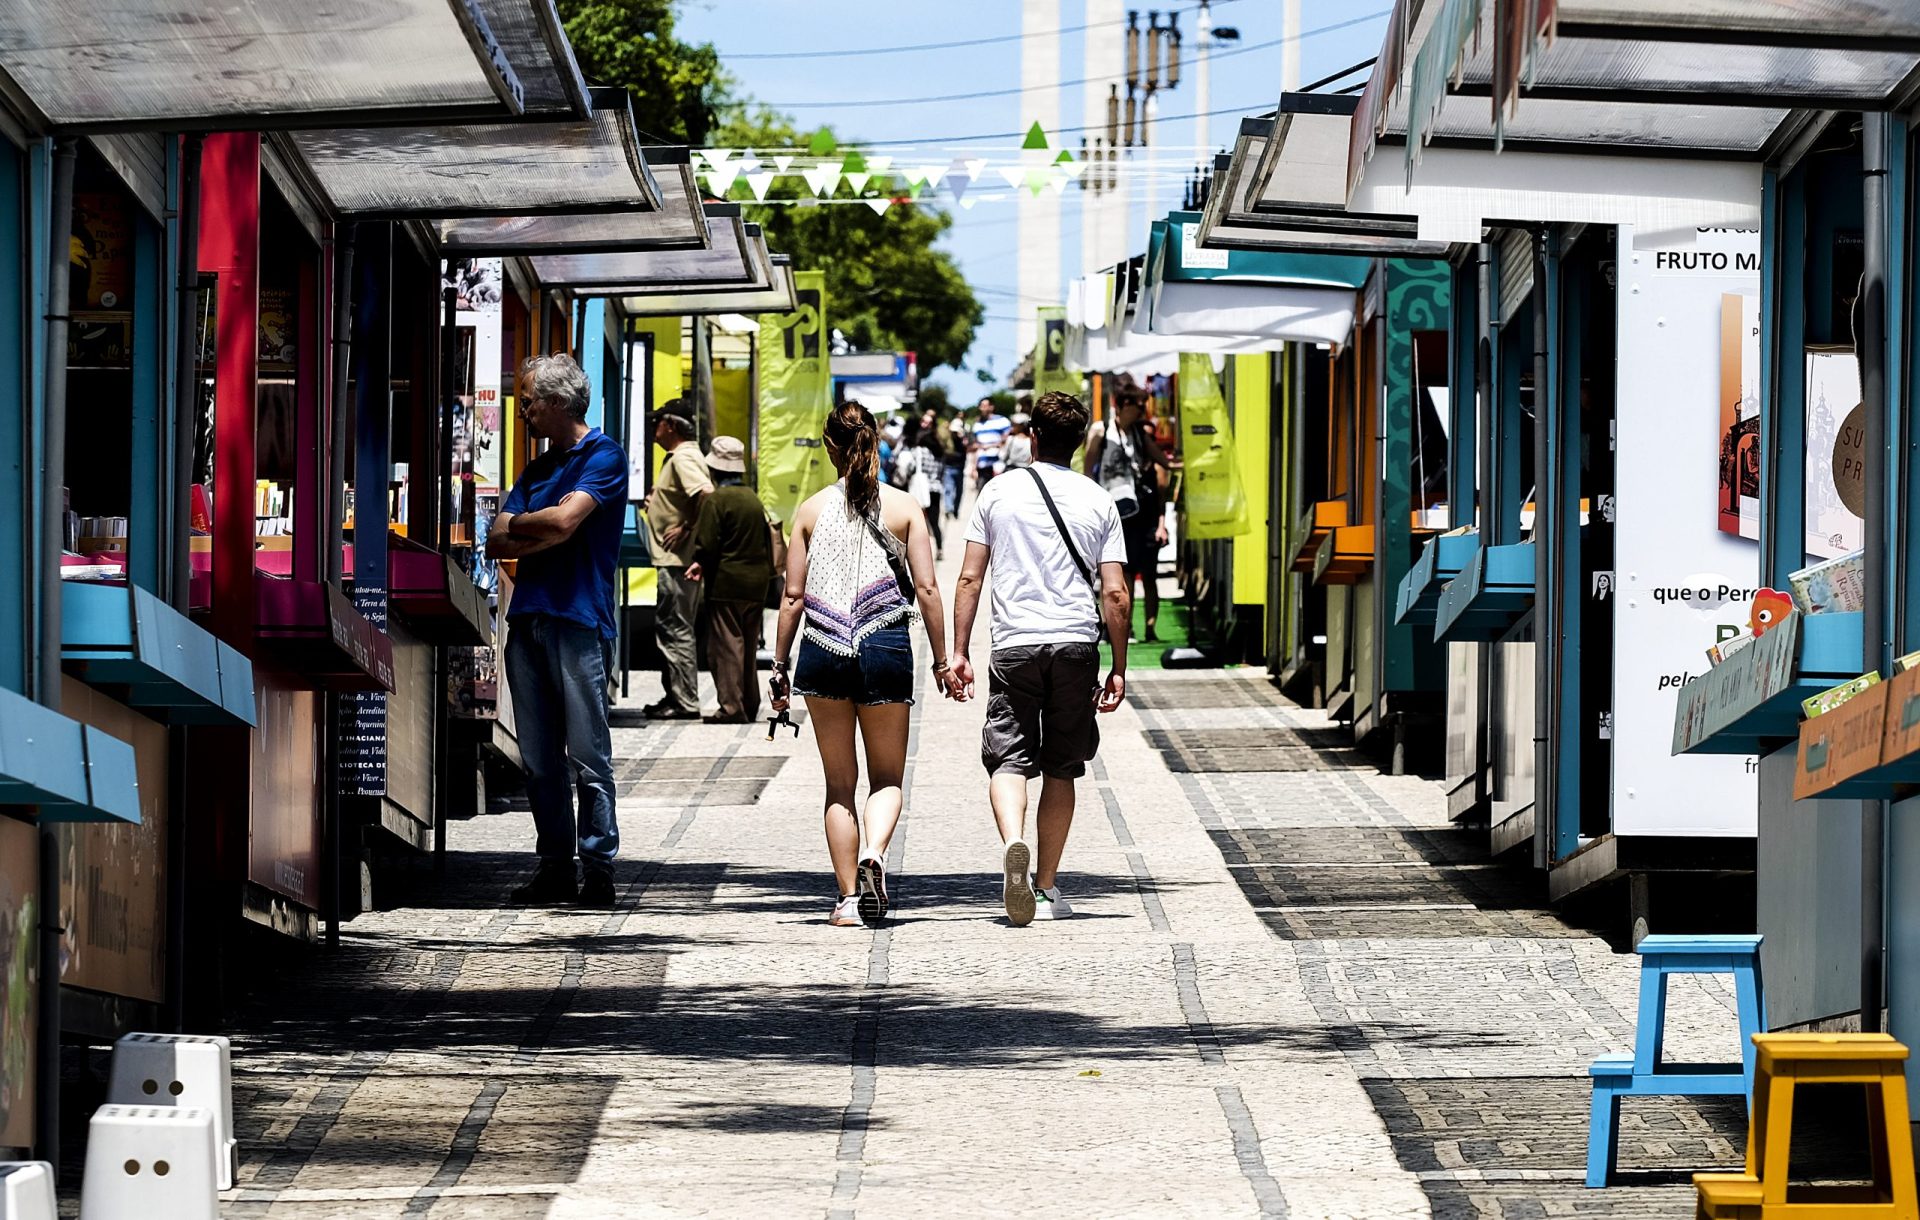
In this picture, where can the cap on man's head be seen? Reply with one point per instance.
(674, 410)
(727, 455)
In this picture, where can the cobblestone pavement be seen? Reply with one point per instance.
(1291, 988)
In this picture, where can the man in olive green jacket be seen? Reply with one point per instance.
(733, 557)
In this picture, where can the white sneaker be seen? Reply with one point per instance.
(1017, 885)
(1049, 904)
(846, 913)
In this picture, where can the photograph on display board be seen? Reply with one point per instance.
(1739, 501)
(1835, 488)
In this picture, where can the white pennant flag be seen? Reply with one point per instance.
(748, 162)
(967, 204)
(716, 157)
(758, 184)
(822, 178)
(879, 165)
(929, 173)
(782, 163)
(859, 182)
(1058, 183)
(1014, 174)
(975, 166)
(720, 181)
(879, 206)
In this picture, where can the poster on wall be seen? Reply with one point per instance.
(1684, 574)
(477, 307)
(100, 252)
(1739, 448)
(1836, 441)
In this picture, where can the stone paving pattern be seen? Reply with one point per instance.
(1291, 989)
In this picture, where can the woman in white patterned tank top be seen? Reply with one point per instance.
(859, 562)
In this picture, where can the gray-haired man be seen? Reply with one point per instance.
(673, 509)
(562, 522)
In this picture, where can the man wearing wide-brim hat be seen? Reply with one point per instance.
(733, 559)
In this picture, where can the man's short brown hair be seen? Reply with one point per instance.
(1059, 424)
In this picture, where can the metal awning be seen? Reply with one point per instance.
(1738, 77)
(722, 280)
(735, 257)
(678, 222)
(1287, 192)
(777, 299)
(270, 64)
(483, 169)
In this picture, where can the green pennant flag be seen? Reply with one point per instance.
(796, 394)
(1036, 136)
(1212, 499)
(821, 144)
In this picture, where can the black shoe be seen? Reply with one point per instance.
(552, 885)
(597, 892)
(667, 711)
(743, 718)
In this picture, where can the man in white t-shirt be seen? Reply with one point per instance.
(1052, 540)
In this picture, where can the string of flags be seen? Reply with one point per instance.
(884, 180)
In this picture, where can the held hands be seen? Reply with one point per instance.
(958, 683)
(1112, 694)
(1160, 533)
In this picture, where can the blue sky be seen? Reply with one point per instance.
(983, 238)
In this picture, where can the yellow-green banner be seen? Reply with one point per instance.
(796, 393)
(1050, 371)
(1212, 496)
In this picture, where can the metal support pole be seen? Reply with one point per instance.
(339, 401)
(53, 481)
(1483, 388)
(186, 379)
(1546, 646)
(1871, 347)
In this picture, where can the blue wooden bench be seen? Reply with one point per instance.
(1642, 1074)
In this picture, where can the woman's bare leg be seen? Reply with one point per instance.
(833, 730)
(883, 731)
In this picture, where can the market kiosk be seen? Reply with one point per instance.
(103, 231)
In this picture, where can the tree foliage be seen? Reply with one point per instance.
(676, 86)
(888, 287)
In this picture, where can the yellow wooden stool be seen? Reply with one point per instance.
(1875, 1061)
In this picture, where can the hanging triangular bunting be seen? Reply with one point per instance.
(879, 165)
(975, 167)
(957, 184)
(855, 163)
(879, 206)
(1014, 174)
(758, 184)
(967, 204)
(1037, 181)
(783, 163)
(858, 182)
(1071, 168)
(720, 181)
(1036, 137)
(1058, 182)
(914, 189)
(717, 157)
(930, 174)
(822, 178)
(748, 162)
(820, 144)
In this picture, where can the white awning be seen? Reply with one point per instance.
(777, 299)
(1267, 314)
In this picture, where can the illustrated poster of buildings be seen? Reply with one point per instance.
(1739, 456)
(1833, 394)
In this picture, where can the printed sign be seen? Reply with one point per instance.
(1736, 686)
(795, 398)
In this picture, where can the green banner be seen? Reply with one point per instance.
(796, 394)
(1050, 371)
(1212, 496)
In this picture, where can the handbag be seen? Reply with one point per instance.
(895, 551)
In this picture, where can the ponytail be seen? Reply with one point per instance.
(851, 431)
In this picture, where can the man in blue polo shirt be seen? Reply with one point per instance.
(562, 522)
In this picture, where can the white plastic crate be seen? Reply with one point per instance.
(150, 1163)
(26, 1191)
(179, 1070)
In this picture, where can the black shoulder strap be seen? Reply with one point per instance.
(1060, 524)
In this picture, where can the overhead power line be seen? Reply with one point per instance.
(933, 141)
(939, 46)
(855, 103)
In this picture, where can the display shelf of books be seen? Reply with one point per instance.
(433, 593)
(1750, 702)
(1440, 561)
(1861, 739)
(1492, 591)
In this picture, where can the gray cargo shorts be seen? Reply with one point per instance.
(1040, 712)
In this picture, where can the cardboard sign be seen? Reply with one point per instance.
(1903, 716)
(1737, 685)
(1841, 744)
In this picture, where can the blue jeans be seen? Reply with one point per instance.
(954, 479)
(557, 672)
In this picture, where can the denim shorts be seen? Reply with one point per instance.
(881, 673)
